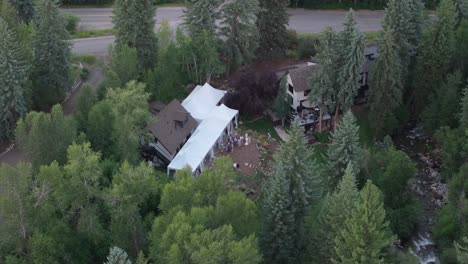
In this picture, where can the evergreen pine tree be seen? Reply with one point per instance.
(14, 83)
(397, 22)
(117, 256)
(436, 54)
(351, 61)
(336, 210)
(416, 20)
(281, 106)
(344, 149)
(239, 31)
(386, 87)
(293, 161)
(366, 234)
(24, 9)
(8, 13)
(134, 20)
(445, 101)
(51, 55)
(278, 238)
(464, 112)
(323, 84)
(201, 15)
(272, 25)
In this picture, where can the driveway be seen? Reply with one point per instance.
(301, 20)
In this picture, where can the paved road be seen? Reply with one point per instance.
(301, 20)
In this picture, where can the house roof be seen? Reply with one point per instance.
(300, 77)
(172, 134)
(156, 107)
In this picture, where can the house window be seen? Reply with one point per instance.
(306, 93)
(291, 89)
(290, 100)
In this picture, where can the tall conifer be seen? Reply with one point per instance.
(272, 25)
(14, 82)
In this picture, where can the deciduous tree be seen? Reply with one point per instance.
(45, 137)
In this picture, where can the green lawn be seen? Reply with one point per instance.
(261, 126)
(85, 58)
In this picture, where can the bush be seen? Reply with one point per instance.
(449, 256)
(307, 45)
(84, 74)
(71, 23)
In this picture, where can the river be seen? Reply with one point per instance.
(429, 188)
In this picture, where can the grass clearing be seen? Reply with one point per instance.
(260, 126)
(94, 33)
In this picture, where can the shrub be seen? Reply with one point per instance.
(84, 74)
(307, 45)
(72, 22)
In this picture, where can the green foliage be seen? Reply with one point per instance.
(130, 109)
(44, 249)
(323, 84)
(166, 81)
(86, 100)
(336, 208)
(436, 54)
(132, 188)
(15, 205)
(350, 63)
(366, 234)
(239, 31)
(391, 170)
(444, 104)
(202, 222)
(134, 21)
(123, 67)
(24, 9)
(272, 23)
(343, 150)
(461, 54)
(72, 22)
(386, 92)
(85, 58)
(464, 111)
(117, 256)
(100, 127)
(462, 251)
(454, 149)
(201, 15)
(51, 56)
(14, 80)
(293, 185)
(40, 131)
(281, 105)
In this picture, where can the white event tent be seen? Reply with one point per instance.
(216, 122)
(202, 100)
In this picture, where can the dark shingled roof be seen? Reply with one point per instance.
(300, 77)
(156, 107)
(173, 125)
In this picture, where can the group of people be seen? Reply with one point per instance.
(235, 141)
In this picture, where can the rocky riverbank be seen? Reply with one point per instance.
(429, 187)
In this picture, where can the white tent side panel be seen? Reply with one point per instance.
(204, 139)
